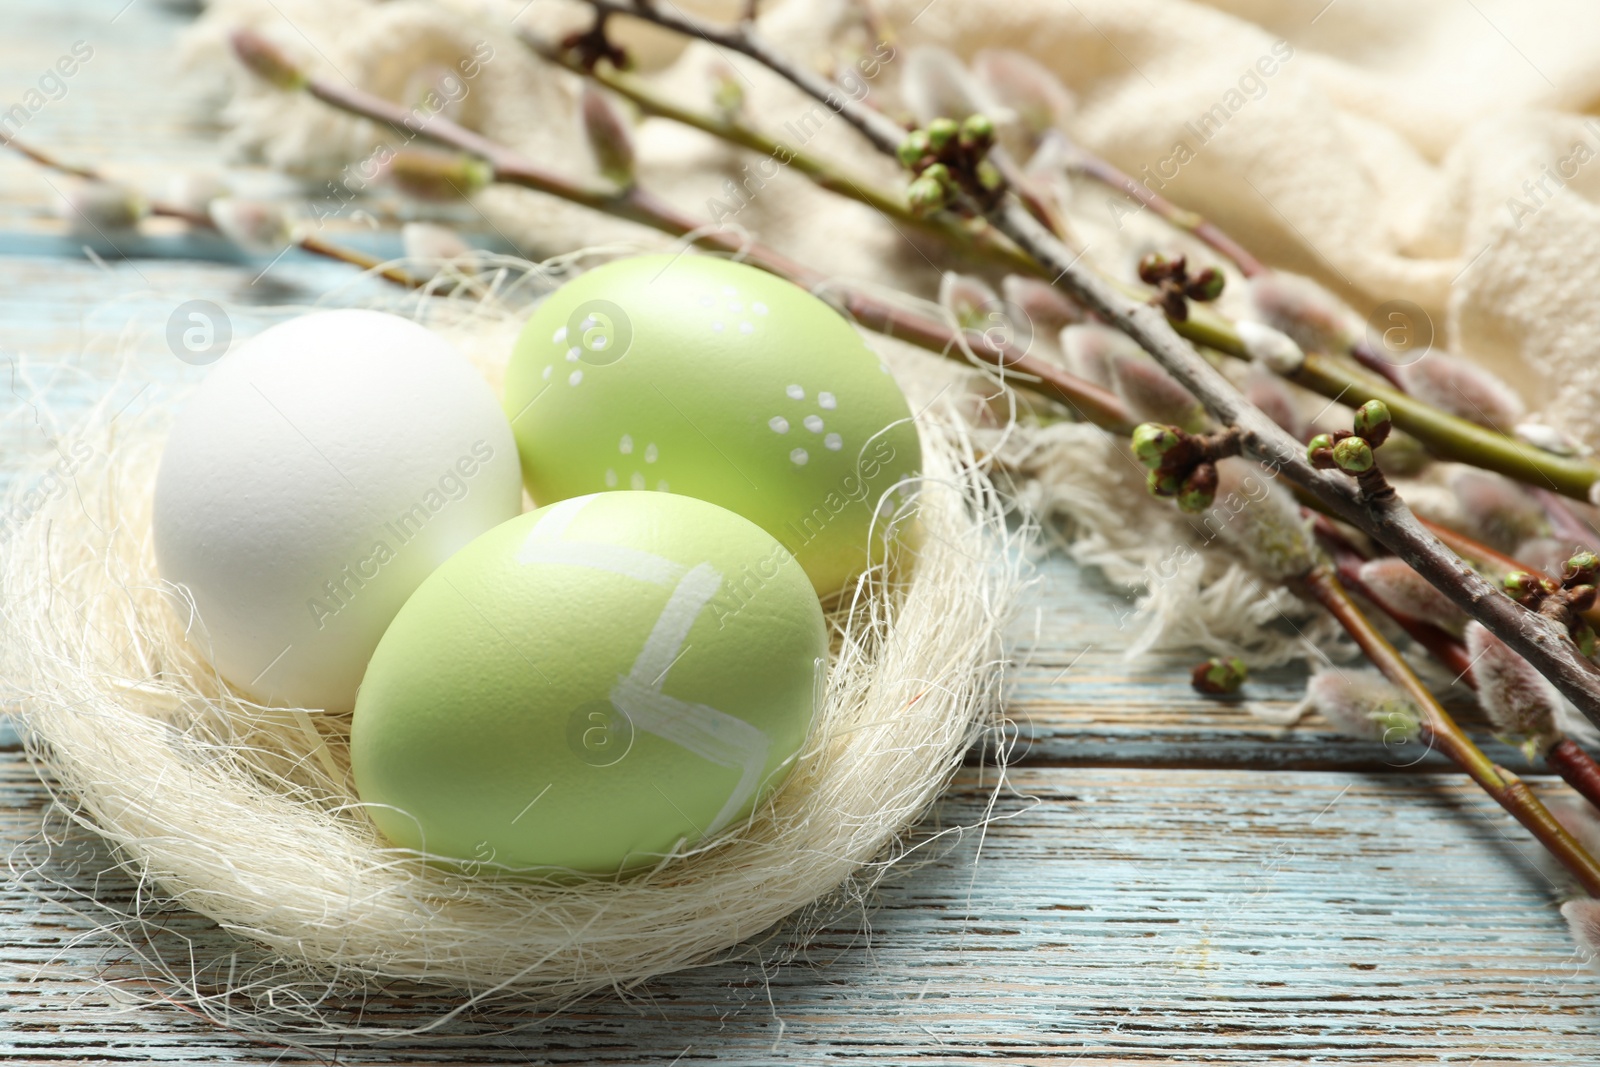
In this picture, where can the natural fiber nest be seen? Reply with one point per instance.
(246, 815)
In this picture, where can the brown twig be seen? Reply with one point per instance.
(1214, 237)
(637, 204)
(972, 237)
(1085, 162)
(1385, 518)
(1509, 791)
(314, 245)
(1444, 434)
(1347, 560)
(1575, 766)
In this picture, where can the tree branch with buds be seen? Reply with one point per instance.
(489, 161)
(1442, 732)
(203, 220)
(1385, 517)
(1520, 704)
(976, 238)
(965, 191)
(1447, 435)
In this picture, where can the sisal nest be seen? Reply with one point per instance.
(246, 815)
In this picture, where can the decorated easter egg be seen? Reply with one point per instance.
(319, 474)
(590, 685)
(709, 378)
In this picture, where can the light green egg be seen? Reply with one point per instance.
(705, 377)
(589, 685)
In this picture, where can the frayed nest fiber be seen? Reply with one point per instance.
(246, 815)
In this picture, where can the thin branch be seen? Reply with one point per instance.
(979, 240)
(1214, 237)
(1385, 518)
(1447, 436)
(1565, 757)
(637, 204)
(1444, 648)
(1085, 162)
(314, 245)
(1509, 791)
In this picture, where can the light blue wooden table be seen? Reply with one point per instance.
(1171, 881)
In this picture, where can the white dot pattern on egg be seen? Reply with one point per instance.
(720, 367)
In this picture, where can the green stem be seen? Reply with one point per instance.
(977, 237)
(640, 205)
(1446, 436)
(1509, 791)
(1449, 437)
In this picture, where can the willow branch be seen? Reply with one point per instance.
(314, 245)
(1565, 757)
(979, 240)
(1085, 162)
(1209, 233)
(1443, 647)
(637, 204)
(1447, 436)
(1384, 517)
(1509, 791)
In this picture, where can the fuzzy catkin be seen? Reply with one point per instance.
(246, 814)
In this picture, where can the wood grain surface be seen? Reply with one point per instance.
(1165, 879)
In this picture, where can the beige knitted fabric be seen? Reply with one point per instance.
(1436, 151)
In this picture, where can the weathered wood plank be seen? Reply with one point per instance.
(1179, 888)
(1077, 700)
(1112, 916)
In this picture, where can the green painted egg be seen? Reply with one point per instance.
(709, 378)
(588, 685)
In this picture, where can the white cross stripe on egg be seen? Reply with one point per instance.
(713, 735)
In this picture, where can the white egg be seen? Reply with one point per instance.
(320, 473)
